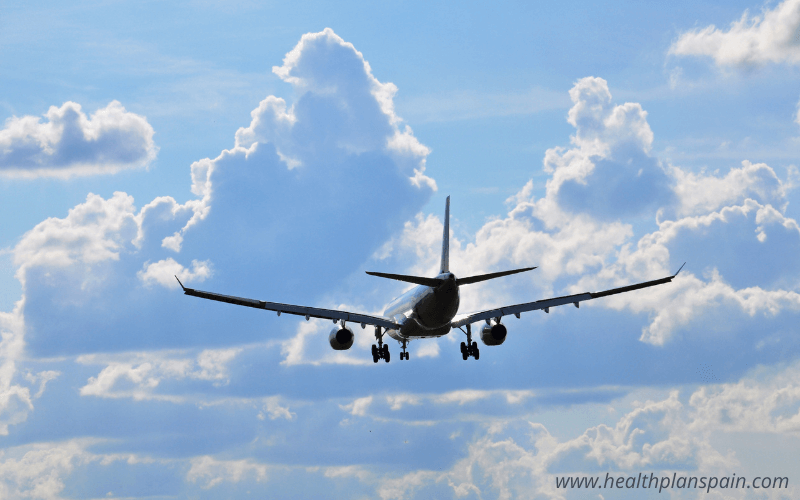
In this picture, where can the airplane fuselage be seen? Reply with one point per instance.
(425, 311)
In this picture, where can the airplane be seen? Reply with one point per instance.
(429, 310)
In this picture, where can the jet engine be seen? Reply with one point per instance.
(493, 334)
(341, 339)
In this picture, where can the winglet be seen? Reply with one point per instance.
(679, 270)
(181, 284)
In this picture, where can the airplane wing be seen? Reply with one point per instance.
(308, 312)
(546, 304)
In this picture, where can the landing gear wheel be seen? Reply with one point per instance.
(386, 355)
(469, 348)
(374, 353)
(406, 356)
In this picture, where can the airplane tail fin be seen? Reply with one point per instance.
(445, 267)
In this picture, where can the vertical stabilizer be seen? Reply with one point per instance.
(445, 268)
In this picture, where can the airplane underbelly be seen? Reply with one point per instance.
(411, 330)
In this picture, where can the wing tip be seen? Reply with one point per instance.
(181, 284)
(679, 270)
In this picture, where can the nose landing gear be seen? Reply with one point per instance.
(404, 354)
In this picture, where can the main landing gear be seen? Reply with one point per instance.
(380, 351)
(470, 348)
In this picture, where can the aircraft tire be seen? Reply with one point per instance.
(477, 354)
(386, 356)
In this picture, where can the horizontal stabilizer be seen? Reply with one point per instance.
(417, 280)
(490, 276)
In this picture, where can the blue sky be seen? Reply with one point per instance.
(279, 151)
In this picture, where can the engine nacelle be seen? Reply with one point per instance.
(341, 339)
(493, 334)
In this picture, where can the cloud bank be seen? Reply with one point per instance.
(300, 176)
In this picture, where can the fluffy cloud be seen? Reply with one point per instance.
(609, 172)
(702, 193)
(138, 375)
(255, 205)
(164, 272)
(71, 144)
(752, 40)
(730, 226)
(15, 399)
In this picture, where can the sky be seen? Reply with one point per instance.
(279, 150)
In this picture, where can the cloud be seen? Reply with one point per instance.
(40, 471)
(609, 173)
(164, 272)
(212, 472)
(397, 401)
(71, 144)
(358, 407)
(661, 434)
(44, 470)
(703, 193)
(16, 401)
(730, 226)
(274, 410)
(337, 86)
(463, 396)
(771, 37)
(138, 375)
(254, 206)
(797, 116)
(428, 349)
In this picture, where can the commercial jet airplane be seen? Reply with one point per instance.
(426, 311)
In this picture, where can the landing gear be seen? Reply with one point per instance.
(470, 348)
(404, 354)
(380, 351)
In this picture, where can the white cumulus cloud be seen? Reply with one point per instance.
(71, 144)
(771, 37)
(164, 271)
(606, 179)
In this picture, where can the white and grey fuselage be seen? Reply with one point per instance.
(424, 311)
